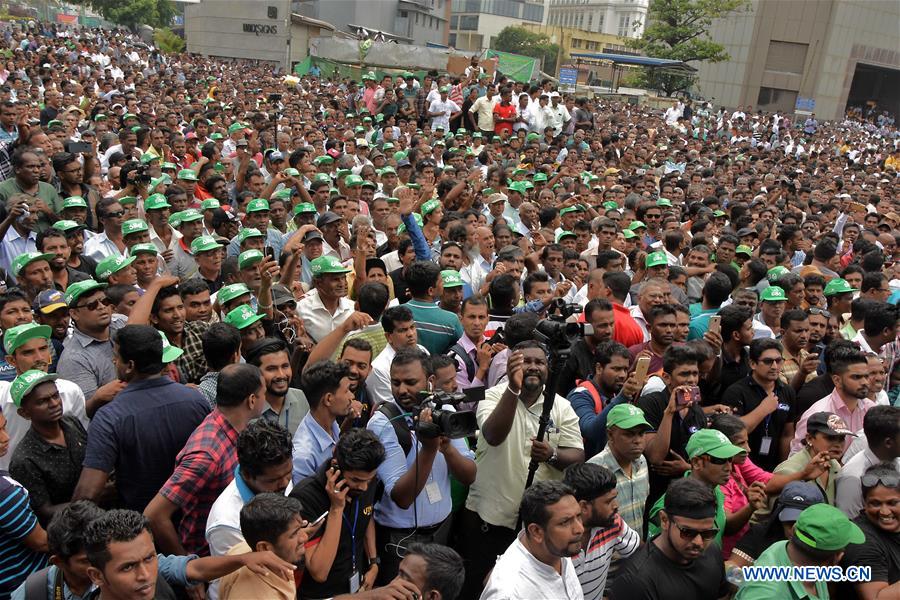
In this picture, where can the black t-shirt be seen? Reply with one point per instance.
(759, 537)
(881, 551)
(813, 391)
(654, 405)
(731, 372)
(648, 574)
(744, 396)
(312, 495)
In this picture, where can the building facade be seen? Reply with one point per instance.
(475, 23)
(418, 22)
(621, 18)
(812, 55)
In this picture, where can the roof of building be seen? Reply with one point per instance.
(640, 61)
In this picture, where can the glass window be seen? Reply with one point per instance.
(468, 22)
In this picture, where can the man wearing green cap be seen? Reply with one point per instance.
(839, 295)
(117, 270)
(821, 534)
(327, 306)
(190, 224)
(772, 303)
(54, 241)
(32, 272)
(258, 218)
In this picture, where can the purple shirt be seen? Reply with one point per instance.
(832, 403)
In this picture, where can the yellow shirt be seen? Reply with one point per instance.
(244, 583)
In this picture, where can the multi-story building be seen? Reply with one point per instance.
(475, 23)
(817, 55)
(418, 22)
(622, 18)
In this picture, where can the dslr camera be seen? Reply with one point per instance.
(453, 425)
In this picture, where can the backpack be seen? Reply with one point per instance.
(398, 422)
(458, 350)
(594, 392)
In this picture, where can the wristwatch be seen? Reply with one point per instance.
(553, 460)
(375, 561)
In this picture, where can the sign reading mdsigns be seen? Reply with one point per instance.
(260, 29)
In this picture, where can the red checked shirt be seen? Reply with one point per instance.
(202, 471)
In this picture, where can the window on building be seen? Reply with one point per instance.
(591, 22)
(600, 19)
(468, 22)
(533, 12)
(786, 57)
(774, 99)
(624, 25)
(454, 22)
(451, 40)
(581, 21)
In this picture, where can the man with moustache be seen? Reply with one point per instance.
(538, 563)
(605, 532)
(681, 562)
(283, 404)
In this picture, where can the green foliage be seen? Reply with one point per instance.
(156, 13)
(167, 41)
(677, 30)
(519, 40)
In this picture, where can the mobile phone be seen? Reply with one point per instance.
(641, 368)
(687, 397)
(79, 147)
(270, 252)
(319, 520)
(715, 324)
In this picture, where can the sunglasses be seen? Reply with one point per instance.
(718, 461)
(891, 481)
(114, 215)
(813, 310)
(771, 361)
(95, 304)
(688, 533)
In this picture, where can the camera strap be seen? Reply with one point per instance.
(398, 421)
(458, 350)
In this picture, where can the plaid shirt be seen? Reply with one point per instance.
(202, 470)
(633, 491)
(192, 364)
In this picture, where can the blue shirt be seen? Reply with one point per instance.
(140, 434)
(433, 504)
(592, 425)
(274, 240)
(17, 520)
(312, 447)
(700, 323)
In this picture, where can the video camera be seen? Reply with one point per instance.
(453, 425)
(559, 331)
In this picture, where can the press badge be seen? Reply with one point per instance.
(765, 445)
(433, 491)
(354, 582)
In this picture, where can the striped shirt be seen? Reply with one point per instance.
(16, 521)
(592, 565)
(438, 329)
(632, 491)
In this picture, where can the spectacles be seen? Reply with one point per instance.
(870, 481)
(114, 215)
(95, 304)
(76, 170)
(718, 461)
(771, 361)
(814, 310)
(688, 533)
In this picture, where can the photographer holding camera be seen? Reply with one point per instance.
(416, 471)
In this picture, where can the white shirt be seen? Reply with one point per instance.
(318, 320)
(559, 115)
(100, 247)
(378, 383)
(638, 316)
(519, 575)
(443, 106)
(848, 490)
(17, 426)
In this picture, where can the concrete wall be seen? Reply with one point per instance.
(839, 34)
(216, 28)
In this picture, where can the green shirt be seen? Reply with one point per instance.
(46, 192)
(653, 529)
(776, 556)
(438, 329)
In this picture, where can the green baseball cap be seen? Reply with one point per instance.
(282, 194)
(257, 205)
(148, 248)
(67, 225)
(429, 207)
(27, 381)
(235, 127)
(190, 214)
(353, 180)
(664, 202)
(79, 288)
(248, 258)
(539, 177)
(232, 291)
(74, 202)
(112, 264)
(712, 442)
(18, 335)
(388, 170)
(170, 353)
(824, 527)
(129, 116)
(146, 157)
(157, 181)
(304, 207)
(636, 225)
(775, 273)
(838, 286)
(626, 416)
(719, 214)
(166, 166)
(242, 317)
(451, 278)
(126, 200)
(216, 136)
(629, 234)
(519, 186)
(656, 259)
(773, 293)
(187, 175)
(325, 265)
(248, 232)
(291, 171)
(745, 250)
(134, 226)
(610, 205)
(204, 243)
(23, 260)
(323, 160)
(564, 234)
(156, 202)
(209, 204)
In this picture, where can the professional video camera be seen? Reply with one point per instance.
(559, 330)
(453, 425)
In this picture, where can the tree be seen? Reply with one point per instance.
(519, 40)
(677, 30)
(131, 13)
(168, 41)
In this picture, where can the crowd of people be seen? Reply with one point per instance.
(274, 337)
